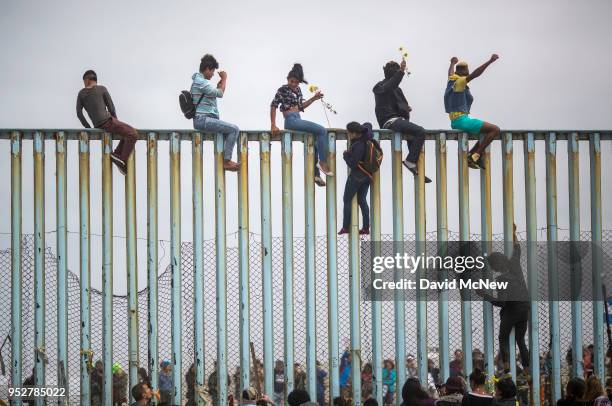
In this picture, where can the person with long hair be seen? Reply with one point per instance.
(478, 396)
(595, 395)
(574, 393)
(413, 394)
(289, 100)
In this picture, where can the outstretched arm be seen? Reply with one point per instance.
(392, 82)
(318, 95)
(451, 68)
(479, 70)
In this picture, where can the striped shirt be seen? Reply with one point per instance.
(208, 105)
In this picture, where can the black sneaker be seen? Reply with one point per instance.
(473, 160)
(319, 181)
(120, 164)
(416, 174)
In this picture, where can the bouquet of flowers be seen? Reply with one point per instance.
(314, 89)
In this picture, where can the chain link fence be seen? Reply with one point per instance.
(120, 338)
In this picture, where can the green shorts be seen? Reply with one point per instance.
(467, 124)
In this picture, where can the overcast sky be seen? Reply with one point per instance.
(553, 73)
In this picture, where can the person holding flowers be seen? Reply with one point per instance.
(393, 111)
(291, 102)
(457, 103)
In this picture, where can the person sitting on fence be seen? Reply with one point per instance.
(165, 381)
(363, 157)
(452, 392)
(290, 101)
(97, 102)
(478, 396)
(205, 96)
(457, 103)
(393, 112)
(574, 393)
(505, 391)
(143, 394)
(513, 303)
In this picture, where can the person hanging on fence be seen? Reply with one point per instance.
(204, 95)
(512, 301)
(393, 112)
(363, 158)
(457, 103)
(98, 104)
(290, 101)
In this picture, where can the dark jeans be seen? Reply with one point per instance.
(517, 317)
(359, 186)
(415, 145)
(130, 136)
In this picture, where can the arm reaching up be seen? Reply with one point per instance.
(479, 70)
(451, 68)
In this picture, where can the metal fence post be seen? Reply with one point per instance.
(464, 236)
(420, 248)
(85, 261)
(107, 267)
(598, 305)
(442, 236)
(152, 258)
(243, 264)
(198, 263)
(16, 266)
(310, 265)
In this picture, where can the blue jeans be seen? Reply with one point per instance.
(214, 125)
(294, 122)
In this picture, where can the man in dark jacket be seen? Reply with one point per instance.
(393, 112)
(358, 181)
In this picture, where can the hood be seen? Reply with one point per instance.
(198, 78)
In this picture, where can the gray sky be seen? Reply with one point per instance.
(552, 74)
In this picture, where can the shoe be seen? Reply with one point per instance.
(343, 231)
(119, 163)
(480, 163)
(319, 181)
(473, 159)
(416, 174)
(230, 165)
(325, 169)
(364, 231)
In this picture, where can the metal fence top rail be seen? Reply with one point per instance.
(255, 135)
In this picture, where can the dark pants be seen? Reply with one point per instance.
(514, 317)
(359, 186)
(129, 134)
(415, 145)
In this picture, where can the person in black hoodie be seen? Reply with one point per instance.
(393, 112)
(358, 181)
(513, 303)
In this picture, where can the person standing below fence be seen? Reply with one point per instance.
(165, 382)
(97, 102)
(205, 95)
(393, 112)
(290, 101)
(363, 157)
(143, 395)
(457, 103)
(513, 303)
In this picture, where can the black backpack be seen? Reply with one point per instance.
(372, 159)
(186, 103)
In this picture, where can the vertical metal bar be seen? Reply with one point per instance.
(420, 240)
(310, 264)
(553, 283)
(532, 263)
(442, 236)
(221, 269)
(16, 271)
(574, 231)
(464, 236)
(354, 302)
(266, 261)
(152, 258)
(487, 237)
(377, 359)
(85, 263)
(287, 174)
(107, 267)
(243, 264)
(175, 265)
(332, 271)
(62, 260)
(598, 305)
(398, 247)
(131, 270)
(574, 217)
(198, 263)
(508, 219)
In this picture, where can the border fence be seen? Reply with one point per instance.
(306, 315)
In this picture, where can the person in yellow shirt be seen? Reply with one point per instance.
(457, 103)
